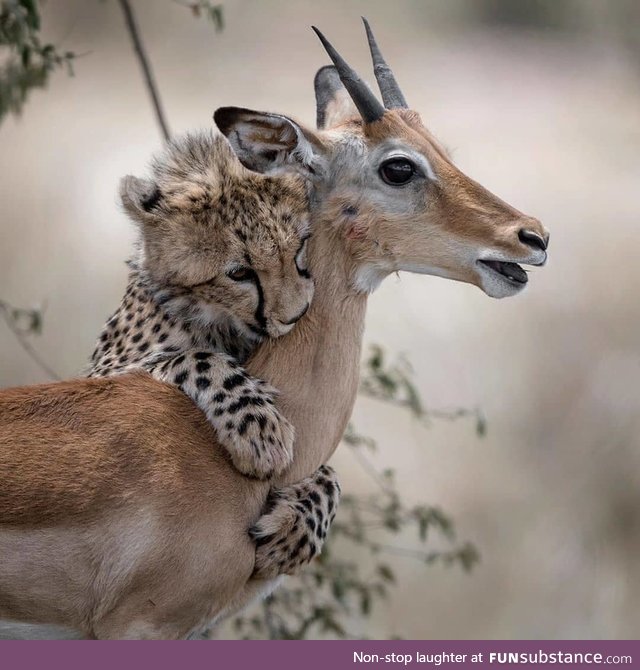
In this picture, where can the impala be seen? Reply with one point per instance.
(117, 518)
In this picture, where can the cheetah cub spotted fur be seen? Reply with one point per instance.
(220, 265)
(294, 526)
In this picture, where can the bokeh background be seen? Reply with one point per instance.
(540, 102)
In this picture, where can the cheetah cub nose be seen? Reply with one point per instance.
(296, 318)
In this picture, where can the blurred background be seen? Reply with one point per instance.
(537, 100)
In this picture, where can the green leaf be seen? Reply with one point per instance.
(386, 573)
(468, 556)
(481, 425)
(365, 603)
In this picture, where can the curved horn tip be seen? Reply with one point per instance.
(391, 94)
(321, 37)
(337, 59)
(373, 45)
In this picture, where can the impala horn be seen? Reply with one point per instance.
(368, 105)
(389, 89)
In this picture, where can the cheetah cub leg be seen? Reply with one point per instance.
(291, 533)
(241, 409)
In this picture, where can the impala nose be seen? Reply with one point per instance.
(533, 239)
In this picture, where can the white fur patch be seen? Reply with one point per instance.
(368, 277)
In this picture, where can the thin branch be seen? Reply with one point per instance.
(370, 469)
(25, 344)
(134, 33)
(405, 551)
(424, 416)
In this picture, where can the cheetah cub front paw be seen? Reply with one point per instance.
(293, 530)
(258, 438)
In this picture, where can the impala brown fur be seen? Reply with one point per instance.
(93, 519)
(437, 221)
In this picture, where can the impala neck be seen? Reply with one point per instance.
(316, 366)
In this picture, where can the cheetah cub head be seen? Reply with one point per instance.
(220, 245)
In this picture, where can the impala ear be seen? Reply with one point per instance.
(334, 105)
(270, 143)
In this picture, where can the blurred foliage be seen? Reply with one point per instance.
(23, 322)
(212, 11)
(31, 61)
(343, 585)
(27, 321)
(525, 13)
(394, 384)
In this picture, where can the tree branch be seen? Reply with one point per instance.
(5, 310)
(134, 33)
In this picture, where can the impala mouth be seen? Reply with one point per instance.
(512, 272)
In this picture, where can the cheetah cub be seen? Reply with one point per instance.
(220, 265)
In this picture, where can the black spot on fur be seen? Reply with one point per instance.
(263, 540)
(238, 404)
(328, 487)
(306, 504)
(233, 381)
(181, 377)
(202, 382)
(301, 544)
(244, 424)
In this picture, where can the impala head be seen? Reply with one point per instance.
(385, 183)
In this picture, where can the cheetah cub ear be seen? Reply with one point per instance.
(140, 198)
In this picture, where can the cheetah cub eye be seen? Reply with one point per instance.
(241, 274)
(301, 258)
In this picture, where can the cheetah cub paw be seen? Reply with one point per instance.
(258, 438)
(293, 530)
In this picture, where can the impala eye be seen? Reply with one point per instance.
(397, 171)
(241, 274)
